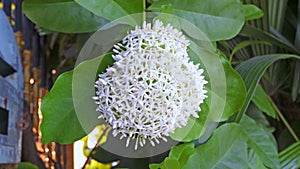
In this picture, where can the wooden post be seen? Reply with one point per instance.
(27, 56)
(37, 52)
(69, 156)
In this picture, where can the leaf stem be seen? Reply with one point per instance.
(284, 120)
(95, 147)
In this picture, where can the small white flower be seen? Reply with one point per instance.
(152, 88)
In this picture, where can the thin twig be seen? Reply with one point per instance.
(95, 147)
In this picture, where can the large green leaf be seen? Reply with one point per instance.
(60, 119)
(290, 157)
(226, 149)
(219, 20)
(62, 16)
(114, 9)
(252, 70)
(260, 142)
(60, 123)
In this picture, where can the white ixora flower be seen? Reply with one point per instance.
(152, 87)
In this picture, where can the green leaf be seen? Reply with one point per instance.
(252, 70)
(262, 101)
(194, 128)
(178, 155)
(260, 119)
(245, 44)
(155, 166)
(260, 142)
(132, 6)
(226, 149)
(252, 12)
(290, 157)
(84, 77)
(112, 9)
(170, 163)
(253, 32)
(235, 91)
(60, 123)
(60, 116)
(182, 152)
(219, 20)
(26, 165)
(62, 16)
(167, 17)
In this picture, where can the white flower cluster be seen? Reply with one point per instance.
(152, 88)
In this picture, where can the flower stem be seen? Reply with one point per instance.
(95, 147)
